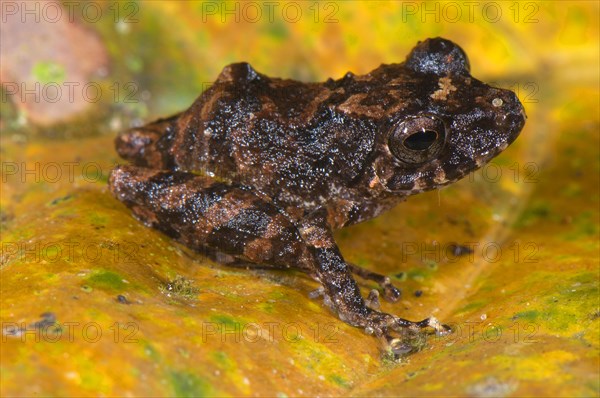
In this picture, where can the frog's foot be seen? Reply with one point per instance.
(390, 292)
(400, 337)
(147, 146)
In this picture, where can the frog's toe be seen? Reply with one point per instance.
(432, 322)
(390, 292)
(400, 337)
(372, 300)
(400, 347)
(397, 347)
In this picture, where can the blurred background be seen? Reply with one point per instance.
(94, 303)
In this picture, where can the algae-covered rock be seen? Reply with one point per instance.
(95, 303)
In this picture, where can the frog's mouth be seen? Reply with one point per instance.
(425, 178)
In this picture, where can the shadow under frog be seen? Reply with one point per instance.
(260, 171)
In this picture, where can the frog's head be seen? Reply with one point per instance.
(451, 124)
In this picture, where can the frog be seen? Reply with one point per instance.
(259, 172)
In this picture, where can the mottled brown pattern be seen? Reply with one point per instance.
(284, 163)
(259, 250)
(227, 208)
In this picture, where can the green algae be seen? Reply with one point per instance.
(106, 280)
(186, 384)
(180, 288)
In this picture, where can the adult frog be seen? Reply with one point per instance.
(260, 171)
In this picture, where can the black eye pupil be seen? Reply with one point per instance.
(421, 140)
(417, 139)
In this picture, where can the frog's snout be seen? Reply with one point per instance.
(514, 115)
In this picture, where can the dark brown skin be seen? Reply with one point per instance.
(259, 171)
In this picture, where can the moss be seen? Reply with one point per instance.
(228, 323)
(186, 384)
(60, 200)
(531, 315)
(431, 264)
(472, 306)
(181, 288)
(340, 381)
(584, 225)
(279, 31)
(98, 219)
(537, 211)
(266, 306)
(106, 280)
(419, 274)
(540, 367)
(151, 352)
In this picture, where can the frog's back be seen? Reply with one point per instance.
(302, 144)
(239, 105)
(282, 137)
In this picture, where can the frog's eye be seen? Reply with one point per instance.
(418, 139)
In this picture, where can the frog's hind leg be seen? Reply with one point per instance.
(211, 216)
(390, 292)
(148, 145)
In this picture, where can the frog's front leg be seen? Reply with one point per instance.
(342, 292)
